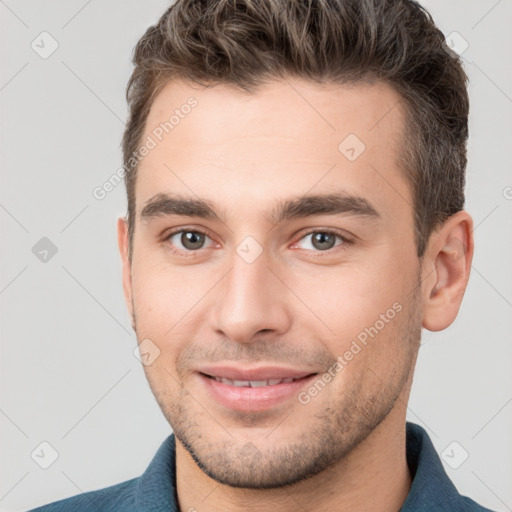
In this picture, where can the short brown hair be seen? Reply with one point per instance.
(244, 42)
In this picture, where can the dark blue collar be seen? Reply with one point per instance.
(431, 488)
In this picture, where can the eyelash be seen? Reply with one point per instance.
(345, 240)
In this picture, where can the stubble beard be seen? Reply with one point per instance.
(329, 437)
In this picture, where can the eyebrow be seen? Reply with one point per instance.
(298, 207)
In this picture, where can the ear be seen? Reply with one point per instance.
(122, 242)
(445, 270)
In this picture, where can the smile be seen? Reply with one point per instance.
(253, 383)
(253, 395)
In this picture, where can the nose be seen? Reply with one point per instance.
(250, 300)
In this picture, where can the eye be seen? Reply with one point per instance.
(193, 240)
(322, 240)
(190, 239)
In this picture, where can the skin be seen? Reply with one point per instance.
(295, 304)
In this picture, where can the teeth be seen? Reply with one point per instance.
(258, 383)
(253, 383)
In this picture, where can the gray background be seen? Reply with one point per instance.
(68, 375)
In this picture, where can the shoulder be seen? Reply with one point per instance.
(431, 489)
(117, 497)
(153, 491)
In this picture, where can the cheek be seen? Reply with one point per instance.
(161, 302)
(360, 306)
(169, 302)
(351, 297)
(163, 293)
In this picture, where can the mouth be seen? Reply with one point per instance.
(254, 394)
(256, 383)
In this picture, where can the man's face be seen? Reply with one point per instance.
(294, 296)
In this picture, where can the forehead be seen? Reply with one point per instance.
(288, 107)
(290, 136)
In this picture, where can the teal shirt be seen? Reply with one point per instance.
(155, 489)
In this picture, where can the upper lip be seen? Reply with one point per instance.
(258, 373)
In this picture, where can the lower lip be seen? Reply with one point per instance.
(244, 398)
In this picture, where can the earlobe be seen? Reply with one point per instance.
(122, 242)
(447, 266)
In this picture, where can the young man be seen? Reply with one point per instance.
(295, 175)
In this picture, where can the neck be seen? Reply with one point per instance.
(374, 476)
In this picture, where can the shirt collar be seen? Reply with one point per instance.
(431, 488)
